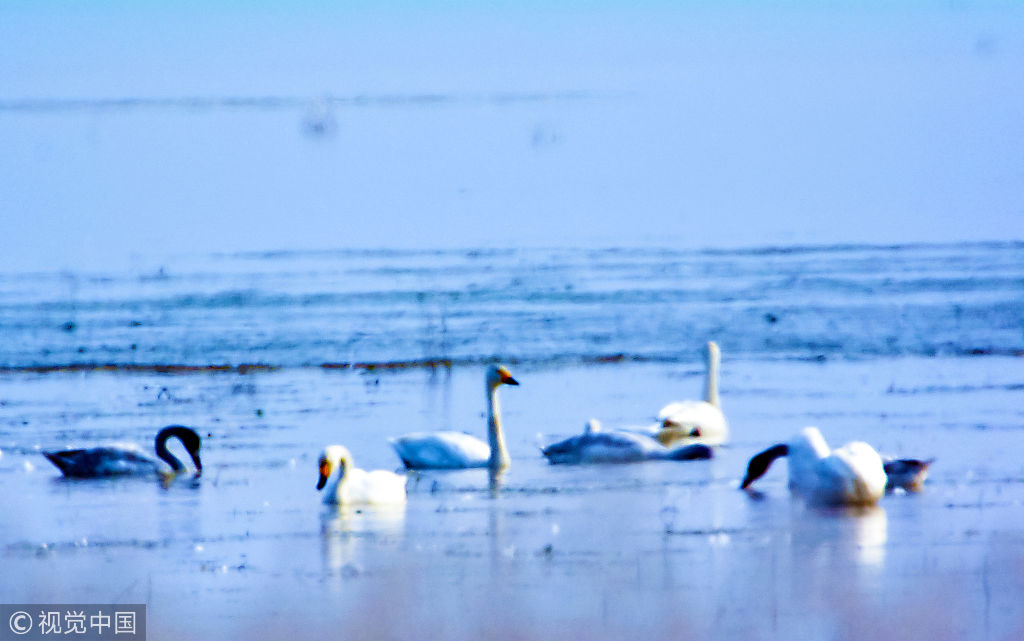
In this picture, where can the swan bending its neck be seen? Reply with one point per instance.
(188, 437)
(120, 461)
(850, 475)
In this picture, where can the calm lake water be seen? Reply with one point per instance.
(916, 349)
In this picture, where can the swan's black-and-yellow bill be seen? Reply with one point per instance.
(348, 485)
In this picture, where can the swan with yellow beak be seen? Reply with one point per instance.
(346, 484)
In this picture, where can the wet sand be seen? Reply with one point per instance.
(657, 550)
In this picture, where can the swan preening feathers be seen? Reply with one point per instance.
(595, 445)
(696, 421)
(457, 450)
(348, 485)
(850, 475)
(120, 461)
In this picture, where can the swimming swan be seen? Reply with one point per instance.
(456, 450)
(850, 475)
(118, 461)
(696, 421)
(353, 486)
(618, 446)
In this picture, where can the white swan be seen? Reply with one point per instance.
(353, 486)
(618, 446)
(127, 460)
(696, 421)
(850, 475)
(455, 450)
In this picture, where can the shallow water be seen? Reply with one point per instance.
(914, 349)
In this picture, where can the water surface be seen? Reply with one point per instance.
(915, 349)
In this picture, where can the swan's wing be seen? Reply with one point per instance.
(102, 461)
(376, 487)
(441, 450)
(565, 451)
(604, 447)
(386, 487)
(852, 474)
(672, 408)
(647, 430)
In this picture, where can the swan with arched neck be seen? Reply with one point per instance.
(128, 460)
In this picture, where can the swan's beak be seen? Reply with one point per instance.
(198, 463)
(165, 479)
(507, 379)
(325, 473)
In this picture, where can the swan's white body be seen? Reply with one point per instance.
(617, 446)
(354, 486)
(446, 450)
(696, 421)
(850, 475)
(449, 450)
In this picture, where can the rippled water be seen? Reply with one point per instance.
(916, 349)
(533, 306)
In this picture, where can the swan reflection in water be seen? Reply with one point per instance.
(346, 532)
(828, 536)
(816, 561)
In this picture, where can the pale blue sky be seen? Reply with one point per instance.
(687, 126)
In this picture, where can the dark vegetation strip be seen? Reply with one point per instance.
(433, 363)
(156, 368)
(246, 368)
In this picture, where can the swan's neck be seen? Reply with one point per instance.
(337, 484)
(711, 381)
(761, 462)
(495, 437)
(165, 454)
